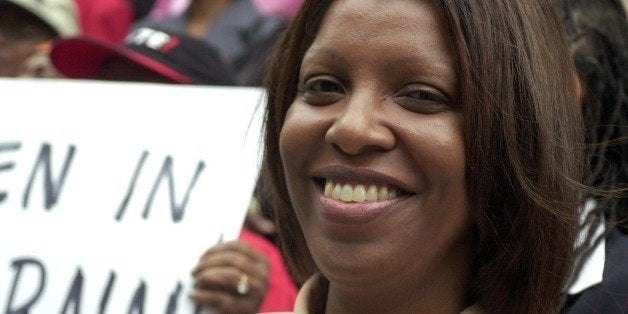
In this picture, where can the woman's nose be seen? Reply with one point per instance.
(361, 128)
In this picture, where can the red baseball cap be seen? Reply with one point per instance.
(177, 57)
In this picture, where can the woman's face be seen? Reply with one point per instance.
(373, 147)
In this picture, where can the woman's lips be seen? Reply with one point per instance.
(337, 211)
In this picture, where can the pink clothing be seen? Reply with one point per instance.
(285, 8)
(107, 20)
(165, 8)
(282, 291)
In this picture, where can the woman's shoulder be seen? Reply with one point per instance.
(611, 295)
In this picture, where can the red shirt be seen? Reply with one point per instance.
(282, 291)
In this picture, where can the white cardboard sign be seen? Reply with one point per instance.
(110, 192)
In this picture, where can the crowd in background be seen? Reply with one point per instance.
(240, 33)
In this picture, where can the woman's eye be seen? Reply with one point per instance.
(423, 101)
(321, 91)
(322, 85)
(425, 95)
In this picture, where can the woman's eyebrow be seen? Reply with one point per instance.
(434, 63)
(326, 52)
(440, 64)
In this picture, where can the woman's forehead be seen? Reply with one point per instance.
(401, 38)
(346, 16)
(417, 26)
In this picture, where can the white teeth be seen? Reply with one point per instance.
(347, 193)
(335, 194)
(382, 193)
(371, 194)
(359, 193)
(329, 187)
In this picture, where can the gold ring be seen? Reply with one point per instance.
(243, 285)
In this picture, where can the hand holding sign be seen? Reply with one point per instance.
(231, 277)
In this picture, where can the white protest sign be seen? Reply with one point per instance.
(110, 192)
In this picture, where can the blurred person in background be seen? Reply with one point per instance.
(243, 276)
(142, 8)
(28, 29)
(598, 40)
(237, 29)
(108, 20)
(165, 8)
(147, 55)
(111, 20)
(285, 8)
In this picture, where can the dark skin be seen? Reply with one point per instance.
(376, 110)
(202, 15)
(218, 273)
(219, 269)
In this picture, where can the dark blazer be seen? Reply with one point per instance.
(611, 295)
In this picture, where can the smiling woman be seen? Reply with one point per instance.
(423, 157)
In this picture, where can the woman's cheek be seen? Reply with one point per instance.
(302, 134)
(289, 137)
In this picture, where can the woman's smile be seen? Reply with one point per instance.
(373, 151)
(357, 195)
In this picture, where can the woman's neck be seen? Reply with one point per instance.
(402, 302)
(440, 290)
(202, 14)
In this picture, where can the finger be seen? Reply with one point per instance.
(249, 264)
(235, 260)
(218, 278)
(219, 302)
(234, 246)
(227, 280)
